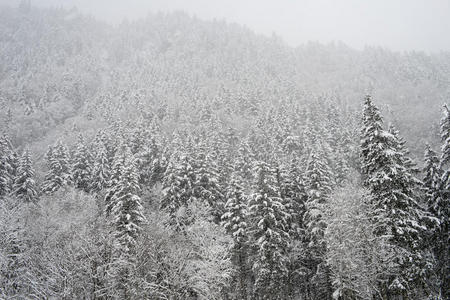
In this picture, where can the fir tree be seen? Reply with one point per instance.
(341, 169)
(318, 187)
(393, 189)
(178, 187)
(244, 161)
(270, 232)
(24, 184)
(441, 209)
(294, 193)
(127, 217)
(207, 182)
(82, 166)
(101, 178)
(5, 174)
(401, 148)
(432, 178)
(59, 169)
(445, 137)
(119, 164)
(235, 222)
(146, 160)
(8, 166)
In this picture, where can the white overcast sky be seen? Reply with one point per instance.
(394, 24)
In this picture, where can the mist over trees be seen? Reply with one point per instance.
(175, 158)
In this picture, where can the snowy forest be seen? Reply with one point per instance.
(176, 158)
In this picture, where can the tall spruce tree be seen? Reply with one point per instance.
(24, 184)
(127, 217)
(235, 222)
(441, 209)
(432, 179)
(207, 185)
(82, 166)
(318, 180)
(270, 231)
(393, 189)
(294, 192)
(118, 167)
(101, 173)
(178, 187)
(59, 173)
(6, 167)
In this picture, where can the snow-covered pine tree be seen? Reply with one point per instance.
(295, 191)
(392, 187)
(6, 174)
(24, 184)
(59, 169)
(118, 167)
(244, 161)
(178, 187)
(408, 162)
(318, 184)
(291, 184)
(442, 208)
(235, 222)
(118, 164)
(82, 166)
(207, 182)
(445, 137)
(432, 178)
(101, 173)
(146, 158)
(127, 217)
(270, 232)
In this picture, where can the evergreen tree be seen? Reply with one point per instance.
(318, 187)
(178, 187)
(235, 222)
(101, 172)
(270, 231)
(119, 164)
(8, 165)
(341, 169)
(294, 193)
(401, 148)
(207, 182)
(244, 161)
(147, 159)
(445, 137)
(432, 178)
(59, 169)
(441, 209)
(392, 186)
(24, 184)
(126, 218)
(82, 166)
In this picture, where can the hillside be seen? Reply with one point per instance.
(57, 65)
(177, 158)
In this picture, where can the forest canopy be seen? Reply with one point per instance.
(176, 158)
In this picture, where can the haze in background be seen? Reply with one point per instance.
(400, 25)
